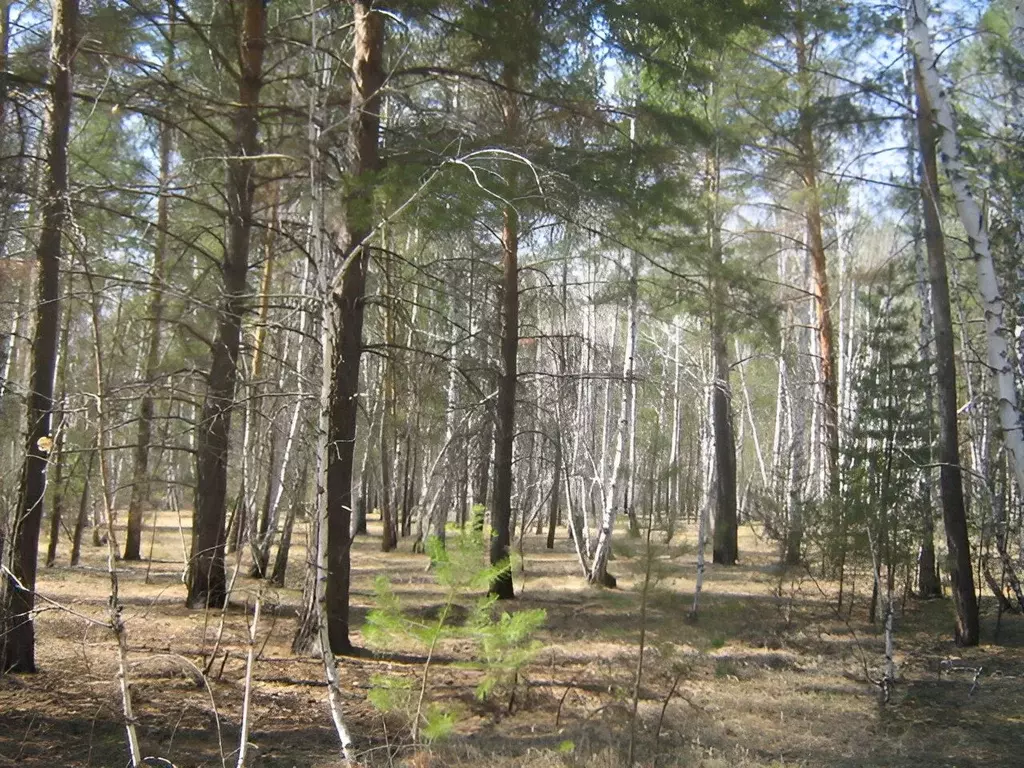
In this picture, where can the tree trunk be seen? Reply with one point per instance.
(928, 582)
(505, 417)
(254, 416)
(19, 631)
(61, 431)
(556, 486)
(501, 513)
(277, 577)
(997, 335)
(207, 585)
(140, 496)
(83, 509)
(819, 267)
(951, 492)
(725, 550)
(364, 159)
(602, 551)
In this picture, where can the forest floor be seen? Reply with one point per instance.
(769, 675)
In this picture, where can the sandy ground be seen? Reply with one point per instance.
(769, 674)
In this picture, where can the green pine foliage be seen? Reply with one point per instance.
(889, 442)
(503, 643)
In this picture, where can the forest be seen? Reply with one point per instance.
(540, 383)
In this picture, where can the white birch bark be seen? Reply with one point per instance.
(996, 332)
(275, 503)
(762, 468)
(673, 457)
(702, 538)
(782, 410)
(617, 474)
(328, 339)
(629, 492)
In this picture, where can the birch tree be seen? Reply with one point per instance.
(950, 482)
(997, 335)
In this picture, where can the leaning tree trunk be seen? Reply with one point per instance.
(951, 493)
(365, 162)
(18, 632)
(997, 335)
(140, 495)
(207, 585)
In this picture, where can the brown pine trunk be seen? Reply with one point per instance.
(556, 487)
(207, 584)
(929, 584)
(365, 162)
(951, 493)
(819, 268)
(501, 513)
(505, 407)
(140, 495)
(19, 630)
(725, 549)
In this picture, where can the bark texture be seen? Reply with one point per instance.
(997, 334)
(207, 583)
(819, 266)
(364, 165)
(140, 494)
(951, 493)
(18, 635)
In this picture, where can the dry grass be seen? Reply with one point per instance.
(768, 676)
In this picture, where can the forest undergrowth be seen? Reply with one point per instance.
(769, 674)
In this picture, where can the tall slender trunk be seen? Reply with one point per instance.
(19, 598)
(602, 552)
(928, 583)
(501, 512)
(951, 493)
(997, 335)
(82, 519)
(254, 418)
(819, 266)
(629, 489)
(266, 540)
(59, 457)
(725, 550)
(556, 486)
(364, 163)
(140, 495)
(207, 585)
